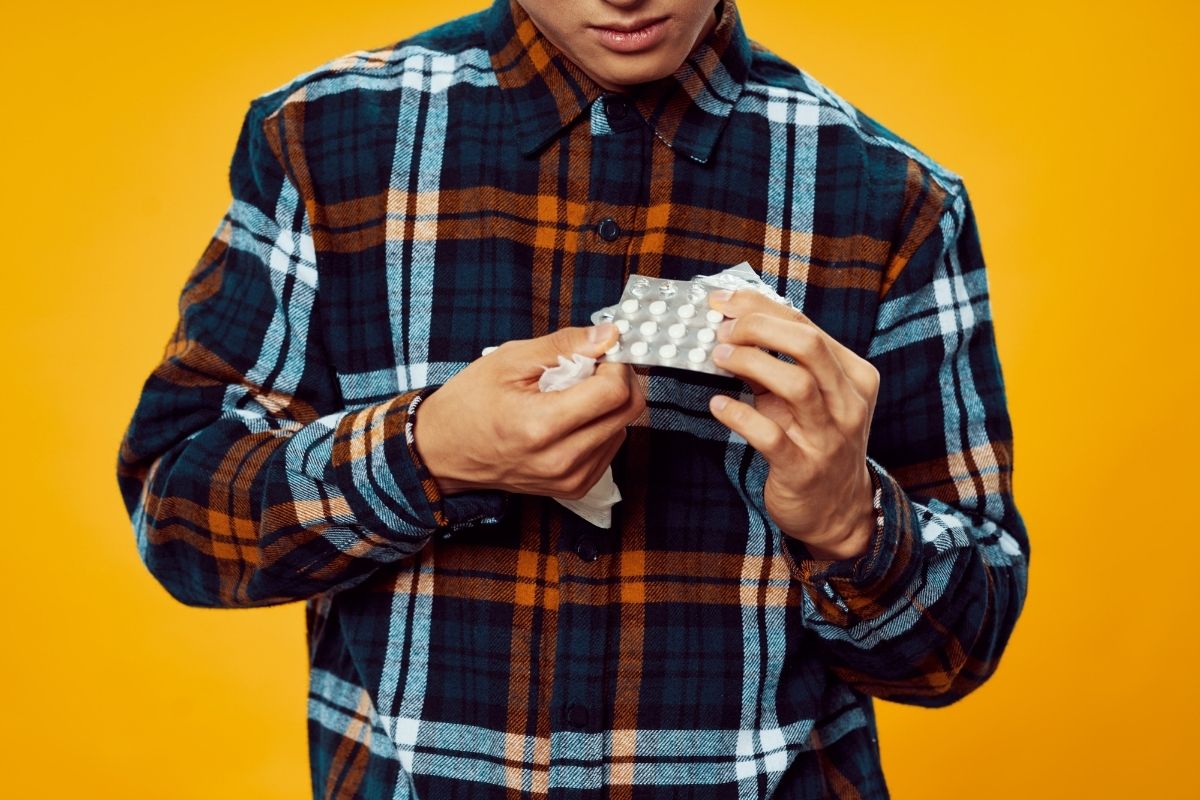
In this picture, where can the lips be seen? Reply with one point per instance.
(631, 37)
(630, 27)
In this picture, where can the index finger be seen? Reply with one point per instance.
(747, 301)
(804, 344)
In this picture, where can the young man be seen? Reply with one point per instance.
(835, 523)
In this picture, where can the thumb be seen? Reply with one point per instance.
(591, 342)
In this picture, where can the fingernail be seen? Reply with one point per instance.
(598, 333)
(719, 402)
(722, 351)
(721, 295)
(726, 327)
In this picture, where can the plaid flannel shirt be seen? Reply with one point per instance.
(395, 211)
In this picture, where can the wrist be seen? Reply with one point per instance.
(433, 451)
(851, 533)
(852, 544)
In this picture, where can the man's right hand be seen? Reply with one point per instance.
(490, 427)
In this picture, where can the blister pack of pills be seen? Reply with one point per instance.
(664, 323)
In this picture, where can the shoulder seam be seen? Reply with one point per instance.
(363, 62)
(859, 121)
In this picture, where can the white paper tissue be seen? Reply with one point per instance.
(596, 505)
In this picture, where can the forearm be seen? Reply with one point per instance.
(251, 511)
(923, 616)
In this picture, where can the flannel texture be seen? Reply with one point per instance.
(397, 210)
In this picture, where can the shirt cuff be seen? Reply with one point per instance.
(458, 510)
(855, 589)
(387, 484)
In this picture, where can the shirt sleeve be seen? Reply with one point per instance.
(924, 615)
(245, 478)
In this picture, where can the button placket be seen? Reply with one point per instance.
(618, 169)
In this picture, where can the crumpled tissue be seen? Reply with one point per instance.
(596, 505)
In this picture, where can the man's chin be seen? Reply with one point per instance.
(628, 75)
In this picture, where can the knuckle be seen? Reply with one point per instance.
(763, 324)
(775, 440)
(537, 433)
(637, 406)
(554, 466)
(512, 347)
(562, 340)
(749, 299)
(576, 491)
(615, 392)
(749, 325)
(872, 376)
(574, 485)
(584, 481)
(807, 341)
(857, 414)
(572, 494)
(803, 386)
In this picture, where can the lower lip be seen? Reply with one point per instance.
(632, 41)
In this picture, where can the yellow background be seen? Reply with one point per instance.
(1074, 126)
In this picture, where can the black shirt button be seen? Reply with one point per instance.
(616, 109)
(608, 229)
(585, 548)
(577, 716)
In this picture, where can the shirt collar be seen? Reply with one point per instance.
(546, 91)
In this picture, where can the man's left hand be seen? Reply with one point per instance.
(810, 420)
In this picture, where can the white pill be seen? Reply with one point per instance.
(648, 328)
(639, 349)
(677, 331)
(668, 351)
(487, 351)
(630, 306)
(714, 317)
(622, 325)
(696, 355)
(658, 308)
(612, 351)
(686, 311)
(705, 336)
